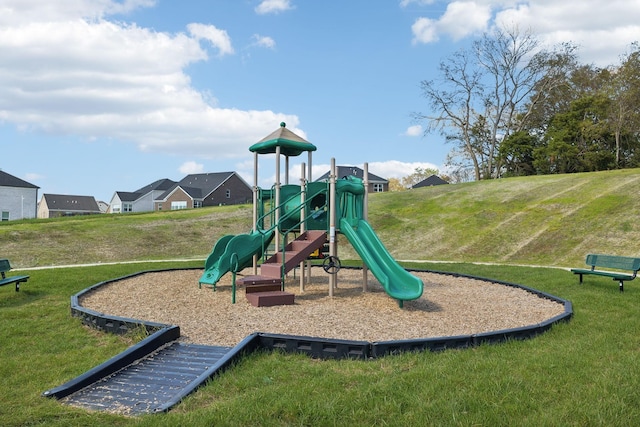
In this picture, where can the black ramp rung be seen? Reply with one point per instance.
(155, 381)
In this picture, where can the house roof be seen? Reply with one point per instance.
(200, 185)
(7, 180)
(126, 196)
(430, 181)
(344, 171)
(71, 203)
(161, 184)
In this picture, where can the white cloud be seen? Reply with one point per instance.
(463, 18)
(263, 41)
(218, 38)
(405, 3)
(603, 30)
(460, 19)
(32, 176)
(424, 30)
(415, 130)
(273, 6)
(397, 169)
(191, 167)
(387, 169)
(63, 74)
(17, 12)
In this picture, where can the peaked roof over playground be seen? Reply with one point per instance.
(290, 144)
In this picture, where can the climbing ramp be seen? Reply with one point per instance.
(151, 384)
(150, 377)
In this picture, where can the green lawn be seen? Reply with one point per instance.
(583, 372)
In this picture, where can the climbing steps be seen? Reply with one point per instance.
(295, 252)
(266, 289)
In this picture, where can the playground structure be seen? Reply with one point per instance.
(299, 220)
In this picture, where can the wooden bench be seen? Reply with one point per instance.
(629, 265)
(6, 280)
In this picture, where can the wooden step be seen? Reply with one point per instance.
(273, 270)
(269, 299)
(258, 280)
(265, 287)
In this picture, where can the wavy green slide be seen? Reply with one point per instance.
(396, 281)
(232, 250)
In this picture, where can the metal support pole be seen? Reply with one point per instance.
(332, 222)
(309, 179)
(365, 215)
(303, 215)
(277, 203)
(286, 170)
(255, 206)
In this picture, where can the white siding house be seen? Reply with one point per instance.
(18, 198)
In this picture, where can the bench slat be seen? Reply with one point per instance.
(611, 261)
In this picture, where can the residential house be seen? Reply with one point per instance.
(430, 181)
(376, 184)
(103, 206)
(18, 198)
(141, 200)
(57, 205)
(206, 189)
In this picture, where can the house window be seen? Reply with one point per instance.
(378, 188)
(178, 205)
(115, 209)
(5, 216)
(159, 206)
(127, 207)
(197, 203)
(228, 194)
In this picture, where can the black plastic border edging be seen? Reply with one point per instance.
(319, 348)
(316, 347)
(126, 358)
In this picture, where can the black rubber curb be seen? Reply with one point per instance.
(315, 347)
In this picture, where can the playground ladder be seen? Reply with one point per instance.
(294, 253)
(266, 289)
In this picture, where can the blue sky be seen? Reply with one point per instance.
(98, 96)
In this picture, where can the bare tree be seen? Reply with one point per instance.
(452, 97)
(484, 93)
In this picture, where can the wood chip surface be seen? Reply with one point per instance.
(449, 306)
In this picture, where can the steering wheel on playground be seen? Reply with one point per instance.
(331, 264)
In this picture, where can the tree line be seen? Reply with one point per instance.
(512, 108)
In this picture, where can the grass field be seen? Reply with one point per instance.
(579, 373)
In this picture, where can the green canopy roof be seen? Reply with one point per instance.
(290, 144)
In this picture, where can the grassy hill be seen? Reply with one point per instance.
(548, 220)
(543, 220)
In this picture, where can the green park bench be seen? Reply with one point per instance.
(6, 280)
(628, 265)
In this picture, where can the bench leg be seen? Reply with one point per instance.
(580, 278)
(621, 286)
(17, 286)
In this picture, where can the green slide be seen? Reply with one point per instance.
(230, 250)
(396, 281)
